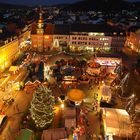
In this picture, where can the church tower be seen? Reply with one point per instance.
(40, 24)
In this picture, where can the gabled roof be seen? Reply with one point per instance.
(28, 83)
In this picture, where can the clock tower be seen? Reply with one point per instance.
(40, 24)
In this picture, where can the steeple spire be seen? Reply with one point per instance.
(40, 25)
(40, 13)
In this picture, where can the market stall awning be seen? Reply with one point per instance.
(108, 61)
(76, 95)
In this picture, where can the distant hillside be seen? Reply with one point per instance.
(60, 5)
(10, 6)
(136, 5)
(100, 5)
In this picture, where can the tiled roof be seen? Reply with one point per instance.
(65, 29)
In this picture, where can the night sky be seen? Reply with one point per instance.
(37, 2)
(42, 2)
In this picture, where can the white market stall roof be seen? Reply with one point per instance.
(70, 112)
(28, 83)
(13, 68)
(70, 122)
(117, 122)
(70, 117)
(108, 61)
(54, 134)
(105, 91)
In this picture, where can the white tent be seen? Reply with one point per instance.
(105, 93)
(117, 123)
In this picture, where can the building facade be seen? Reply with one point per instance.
(40, 40)
(9, 52)
(89, 42)
(77, 37)
(118, 42)
(11, 48)
(133, 41)
(60, 41)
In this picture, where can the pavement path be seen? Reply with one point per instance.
(15, 113)
(57, 117)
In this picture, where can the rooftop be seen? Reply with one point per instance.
(117, 122)
(66, 29)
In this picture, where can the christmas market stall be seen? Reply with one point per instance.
(105, 93)
(116, 123)
(76, 95)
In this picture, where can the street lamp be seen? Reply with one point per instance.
(62, 105)
(133, 95)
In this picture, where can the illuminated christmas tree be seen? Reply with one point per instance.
(42, 107)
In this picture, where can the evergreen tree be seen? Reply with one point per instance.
(42, 107)
(41, 71)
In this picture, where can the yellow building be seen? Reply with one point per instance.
(8, 54)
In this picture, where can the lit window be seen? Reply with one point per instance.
(46, 37)
(114, 33)
(105, 44)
